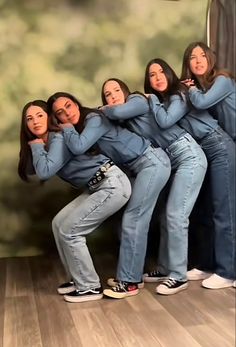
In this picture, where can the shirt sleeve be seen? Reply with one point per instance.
(136, 105)
(168, 116)
(95, 128)
(48, 162)
(221, 88)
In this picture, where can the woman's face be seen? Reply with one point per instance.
(198, 62)
(157, 78)
(113, 93)
(66, 110)
(37, 121)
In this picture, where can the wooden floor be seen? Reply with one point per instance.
(32, 314)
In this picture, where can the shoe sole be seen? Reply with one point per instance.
(228, 285)
(166, 291)
(111, 282)
(199, 278)
(115, 295)
(63, 291)
(154, 279)
(83, 298)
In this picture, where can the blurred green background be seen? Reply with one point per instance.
(73, 45)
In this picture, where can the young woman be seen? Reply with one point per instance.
(82, 127)
(219, 149)
(106, 190)
(210, 88)
(188, 165)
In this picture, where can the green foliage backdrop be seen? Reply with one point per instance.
(52, 45)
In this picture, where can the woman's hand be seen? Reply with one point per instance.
(65, 125)
(188, 82)
(36, 141)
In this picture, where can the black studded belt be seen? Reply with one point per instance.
(99, 175)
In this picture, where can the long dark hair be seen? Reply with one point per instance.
(123, 86)
(174, 84)
(84, 111)
(25, 165)
(212, 71)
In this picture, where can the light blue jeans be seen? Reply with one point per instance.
(220, 152)
(81, 217)
(152, 171)
(189, 164)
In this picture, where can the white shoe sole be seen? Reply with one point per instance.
(115, 295)
(147, 279)
(84, 298)
(198, 277)
(164, 290)
(63, 291)
(217, 286)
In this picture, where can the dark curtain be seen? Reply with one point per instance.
(221, 32)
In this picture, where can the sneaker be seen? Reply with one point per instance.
(234, 284)
(217, 282)
(84, 295)
(112, 282)
(171, 286)
(154, 276)
(195, 275)
(122, 290)
(66, 288)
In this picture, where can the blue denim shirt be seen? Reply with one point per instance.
(119, 144)
(220, 100)
(198, 123)
(141, 119)
(58, 160)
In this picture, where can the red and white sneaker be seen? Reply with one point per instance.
(112, 282)
(122, 290)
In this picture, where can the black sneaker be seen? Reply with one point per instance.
(84, 295)
(112, 282)
(154, 276)
(122, 290)
(171, 286)
(66, 287)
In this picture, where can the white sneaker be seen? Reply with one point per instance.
(196, 275)
(217, 282)
(234, 284)
(171, 286)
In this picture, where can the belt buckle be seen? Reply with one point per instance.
(105, 167)
(96, 180)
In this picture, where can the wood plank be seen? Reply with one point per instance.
(128, 324)
(18, 280)
(196, 307)
(93, 327)
(34, 315)
(21, 326)
(2, 296)
(209, 336)
(163, 326)
(183, 307)
(55, 321)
